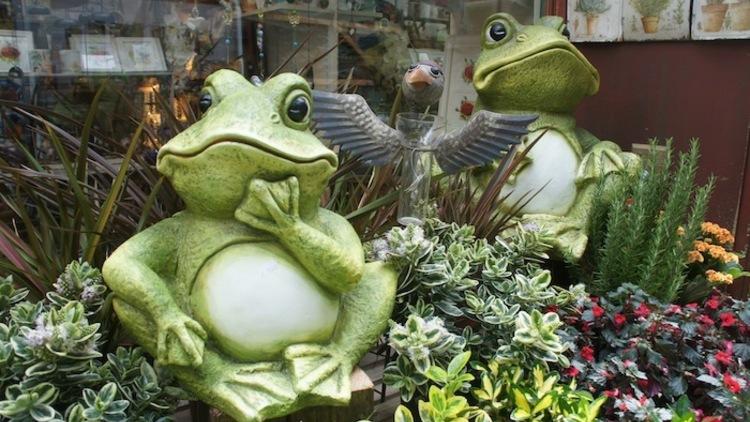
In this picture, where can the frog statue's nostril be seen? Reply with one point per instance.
(275, 118)
(522, 37)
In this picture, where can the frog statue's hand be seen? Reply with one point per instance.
(270, 206)
(334, 256)
(180, 340)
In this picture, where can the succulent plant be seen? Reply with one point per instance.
(51, 367)
(32, 404)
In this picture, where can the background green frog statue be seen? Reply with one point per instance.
(258, 299)
(535, 69)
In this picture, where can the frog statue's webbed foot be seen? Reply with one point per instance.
(255, 391)
(568, 235)
(319, 371)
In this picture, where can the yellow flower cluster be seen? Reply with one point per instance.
(721, 235)
(718, 277)
(714, 251)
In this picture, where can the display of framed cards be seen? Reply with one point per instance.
(98, 53)
(140, 54)
(14, 50)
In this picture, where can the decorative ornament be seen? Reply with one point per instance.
(347, 121)
(256, 299)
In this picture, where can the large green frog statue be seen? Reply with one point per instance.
(256, 298)
(535, 69)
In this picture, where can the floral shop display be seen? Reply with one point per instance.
(251, 265)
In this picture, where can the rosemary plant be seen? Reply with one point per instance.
(643, 231)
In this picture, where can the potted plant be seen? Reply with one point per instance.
(650, 11)
(592, 9)
(714, 12)
(740, 13)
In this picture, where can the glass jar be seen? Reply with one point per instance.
(420, 131)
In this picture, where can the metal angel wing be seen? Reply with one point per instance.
(484, 139)
(347, 121)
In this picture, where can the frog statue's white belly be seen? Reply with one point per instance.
(555, 163)
(254, 299)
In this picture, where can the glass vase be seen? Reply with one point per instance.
(420, 130)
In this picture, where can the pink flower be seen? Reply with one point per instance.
(613, 394)
(642, 311)
(732, 384)
(643, 384)
(673, 309)
(572, 372)
(587, 353)
(727, 319)
(713, 302)
(711, 369)
(705, 320)
(598, 311)
(620, 320)
(693, 306)
(723, 357)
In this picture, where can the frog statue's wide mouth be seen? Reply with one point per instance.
(196, 150)
(485, 73)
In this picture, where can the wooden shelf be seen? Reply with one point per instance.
(312, 13)
(95, 74)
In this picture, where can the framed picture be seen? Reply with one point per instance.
(648, 20)
(459, 96)
(70, 62)
(98, 52)
(14, 50)
(726, 19)
(40, 62)
(595, 20)
(140, 54)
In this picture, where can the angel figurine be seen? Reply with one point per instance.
(347, 121)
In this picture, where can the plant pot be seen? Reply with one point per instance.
(740, 13)
(713, 16)
(591, 23)
(247, 6)
(650, 24)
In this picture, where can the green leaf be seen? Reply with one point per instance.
(458, 363)
(42, 413)
(543, 404)
(437, 399)
(109, 206)
(402, 415)
(594, 408)
(437, 374)
(520, 400)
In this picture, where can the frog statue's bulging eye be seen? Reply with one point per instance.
(204, 102)
(496, 32)
(298, 109)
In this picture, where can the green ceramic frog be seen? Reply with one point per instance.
(535, 69)
(258, 299)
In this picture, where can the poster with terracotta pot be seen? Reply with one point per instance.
(715, 19)
(595, 20)
(655, 20)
